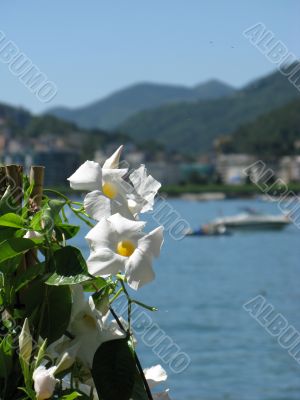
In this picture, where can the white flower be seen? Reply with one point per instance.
(44, 382)
(146, 188)
(113, 161)
(90, 176)
(25, 342)
(32, 235)
(87, 177)
(155, 375)
(67, 359)
(89, 328)
(109, 193)
(161, 395)
(118, 244)
(111, 199)
(118, 196)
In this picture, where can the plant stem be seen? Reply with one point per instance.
(77, 213)
(140, 368)
(129, 304)
(117, 319)
(63, 196)
(58, 194)
(116, 295)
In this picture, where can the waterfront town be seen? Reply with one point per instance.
(61, 156)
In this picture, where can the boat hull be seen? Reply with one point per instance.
(256, 225)
(254, 222)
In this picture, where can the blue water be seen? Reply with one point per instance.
(201, 285)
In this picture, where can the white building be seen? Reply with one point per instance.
(231, 167)
(289, 169)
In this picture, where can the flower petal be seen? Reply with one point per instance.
(152, 242)
(78, 301)
(126, 227)
(104, 261)
(138, 269)
(102, 235)
(44, 382)
(114, 176)
(109, 174)
(87, 177)
(113, 160)
(146, 186)
(155, 375)
(97, 205)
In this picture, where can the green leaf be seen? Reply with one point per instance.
(6, 356)
(49, 308)
(114, 370)
(12, 247)
(47, 220)
(70, 267)
(71, 396)
(50, 213)
(69, 231)
(139, 391)
(40, 356)
(7, 203)
(35, 223)
(56, 205)
(8, 267)
(57, 313)
(95, 284)
(12, 220)
(62, 280)
(6, 233)
(27, 188)
(25, 277)
(101, 299)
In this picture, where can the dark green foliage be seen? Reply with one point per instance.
(113, 110)
(192, 127)
(24, 125)
(271, 135)
(70, 267)
(114, 370)
(49, 308)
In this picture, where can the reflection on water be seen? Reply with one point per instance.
(201, 285)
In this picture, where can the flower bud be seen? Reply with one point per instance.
(25, 342)
(44, 382)
(66, 361)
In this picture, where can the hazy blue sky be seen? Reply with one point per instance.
(93, 47)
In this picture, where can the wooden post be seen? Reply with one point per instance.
(3, 183)
(14, 174)
(37, 178)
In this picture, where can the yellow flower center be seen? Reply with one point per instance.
(90, 321)
(109, 190)
(125, 248)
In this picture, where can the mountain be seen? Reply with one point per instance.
(271, 135)
(17, 116)
(212, 89)
(23, 126)
(113, 110)
(192, 127)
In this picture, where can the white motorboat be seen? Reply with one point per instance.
(253, 220)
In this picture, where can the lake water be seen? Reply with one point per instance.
(201, 286)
